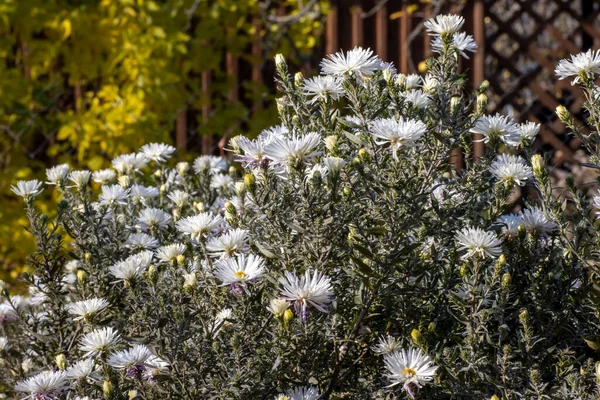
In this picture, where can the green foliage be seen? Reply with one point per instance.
(82, 81)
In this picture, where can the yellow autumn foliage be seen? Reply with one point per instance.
(84, 80)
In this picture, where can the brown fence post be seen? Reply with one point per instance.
(478, 61)
(381, 33)
(331, 34)
(181, 129)
(207, 140)
(405, 27)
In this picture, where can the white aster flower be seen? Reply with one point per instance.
(199, 226)
(398, 133)
(141, 241)
(179, 198)
(478, 242)
(157, 152)
(445, 194)
(460, 41)
(510, 224)
(132, 267)
(140, 192)
(430, 83)
(99, 341)
(127, 163)
(411, 81)
(27, 189)
(104, 176)
(170, 253)
(46, 385)
(307, 290)
(86, 308)
(80, 178)
(153, 218)
(210, 164)
(386, 344)
(334, 164)
(190, 280)
(417, 98)
(535, 220)
(496, 126)
(278, 306)
(85, 370)
(239, 271)
(7, 312)
(57, 175)
(581, 66)
(300, 393)
(409, 367)
(221, 321)
(229, 244)
(444, 25)
(511, 169)
(358, 61)
(323, 87)
(254, 151)
(113, 195)
(136, 356)
(293, 151)
(525, 133)
(222, 182)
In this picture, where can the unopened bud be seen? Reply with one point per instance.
(107, 389)
(87, 256)
(501, 261)
(163, 189)
(563, 113)
(538, 164)
(432, 327)
(506, 281)
(152, 273)
(288, 315)
(132, 394)
(158, 173)
(521, 232)
(250, 182)
(298, 79)
(331, 142)
(455, 104)
(183, 168)
(124, 181)
(401, 79)
(190, 281)
(364, 155)
(280, 61)
(523, 316)
(494, 397)
(61, 362)
(485, 85)
(230, 208)
(200, 206)
(416, 336)
(232, 171)
(387, 74)
(482, 101)
(240, 188)
(81, 276)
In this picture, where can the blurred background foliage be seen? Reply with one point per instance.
(84, 80)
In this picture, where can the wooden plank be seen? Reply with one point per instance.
(207, 140)
(331, 30)
(405, 28)
(232, 67)
(381, 33)
(478, 62)
(357, 26)
(181, 129)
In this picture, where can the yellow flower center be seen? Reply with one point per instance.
(409, 372)
(241, 274)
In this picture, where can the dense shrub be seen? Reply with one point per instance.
(347, 258)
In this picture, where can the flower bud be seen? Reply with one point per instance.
(190, 281)
(521, 232)
(485, 85)
(180, 259)
(563, 113)
(124, 181)
(107, 389)
(298, 79)
(387, 75)
(598, 371)
(416, 336)
(331, 142)
(183, 168)
(230, 208)
(81, 276)
(61, 362)
(538, 164)
(364, 155)
(200, 206)
(288, 315)
(278, 307)
(163, 189)
(506, 281)
(232, 171)
(281, 106)
(280, 61)
(152, 273)
(455, 104)
(501, 261)
(240, 188)
(523, 316)
(494, 397)
(250, 182)
(432, 327)
(132, 394)
(158, 173)
(401, 79)
(482, 101)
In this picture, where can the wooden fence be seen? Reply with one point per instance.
(520, 43)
